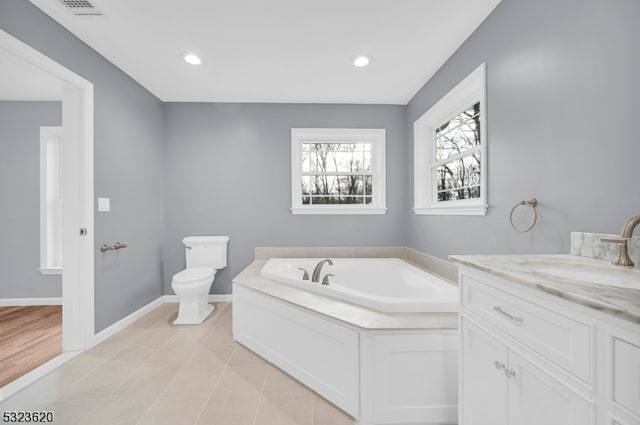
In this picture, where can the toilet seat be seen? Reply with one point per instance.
(193, 275)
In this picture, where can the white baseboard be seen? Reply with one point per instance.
(20, 302)
(29, 378)
(126, 321)
(215, 298)
(123, 323)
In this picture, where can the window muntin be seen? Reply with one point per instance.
(450, 152)
(338, 171)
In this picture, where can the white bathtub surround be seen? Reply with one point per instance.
(264, 253)
(379, 367)
(542, 342)
(342, 311)
(366, 282)
(590, 245)
(442, 268)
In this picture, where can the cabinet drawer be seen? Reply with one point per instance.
(561, 340)
(626, 375)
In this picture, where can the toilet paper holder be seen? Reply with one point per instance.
(114, 247)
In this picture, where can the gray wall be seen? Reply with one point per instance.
(128, 164)
(20, 124)
(228, 172)
(562, 86)
(562, 95)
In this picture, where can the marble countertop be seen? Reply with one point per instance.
(351, 314)
(534, 272)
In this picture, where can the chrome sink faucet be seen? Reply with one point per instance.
(315, 277)
(623, 252)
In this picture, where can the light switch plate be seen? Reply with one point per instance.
(104, 204)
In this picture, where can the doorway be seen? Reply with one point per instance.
(76, 179)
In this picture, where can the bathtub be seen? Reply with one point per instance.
(389, 285)
(385, 351)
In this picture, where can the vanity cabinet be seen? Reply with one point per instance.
(531, 358)
(500, 387)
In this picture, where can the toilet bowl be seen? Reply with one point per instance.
(192, 287)
(204, 256)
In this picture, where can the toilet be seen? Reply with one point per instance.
(205, 255)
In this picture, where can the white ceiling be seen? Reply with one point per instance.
(24, 82)
(278, 50)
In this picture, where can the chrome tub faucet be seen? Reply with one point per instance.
(315, 277)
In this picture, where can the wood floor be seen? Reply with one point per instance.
(29, 337)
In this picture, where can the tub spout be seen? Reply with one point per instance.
(316, 272)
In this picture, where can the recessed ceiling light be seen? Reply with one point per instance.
(192, 59)
(361, 61)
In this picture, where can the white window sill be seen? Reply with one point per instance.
(50, 270)
(337, 211)
(477, 210)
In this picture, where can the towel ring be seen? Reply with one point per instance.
(532, 203)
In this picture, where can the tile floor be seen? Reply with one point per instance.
(155, 373)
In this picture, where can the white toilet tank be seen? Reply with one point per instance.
(206, 251)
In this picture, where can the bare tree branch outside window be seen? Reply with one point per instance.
(458, 156)
(336, 173)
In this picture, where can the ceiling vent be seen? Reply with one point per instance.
(82, 8)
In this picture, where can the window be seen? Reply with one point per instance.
(50, 203)
(450, 152)
(338, 171)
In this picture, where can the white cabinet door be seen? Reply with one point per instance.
(416, 379)
(626, 375)
(536, 398)
(483, 384)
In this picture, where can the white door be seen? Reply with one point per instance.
(484, 392)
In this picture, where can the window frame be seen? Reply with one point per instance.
(51, 260)
(468, 92)
(377, 138)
